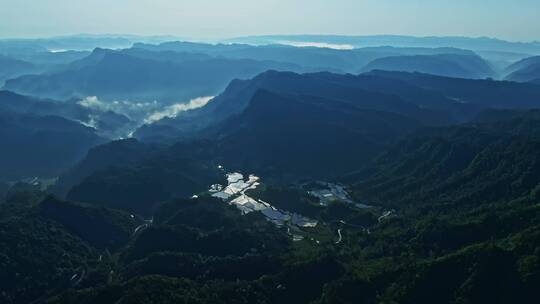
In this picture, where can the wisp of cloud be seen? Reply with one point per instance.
(173, 110)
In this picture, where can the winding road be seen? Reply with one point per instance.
(340, 236)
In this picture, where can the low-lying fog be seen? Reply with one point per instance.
(138, 113)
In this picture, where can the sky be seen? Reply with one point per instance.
(514, 20)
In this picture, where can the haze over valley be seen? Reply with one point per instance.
(200, 160)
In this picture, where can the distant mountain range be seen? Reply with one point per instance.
(40, 54)
(73, 42)
(132, 76)
(475, 44)
(320, 59)
(89, 42)
(498, 52)
(173, 73)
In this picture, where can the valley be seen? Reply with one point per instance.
(269, 169)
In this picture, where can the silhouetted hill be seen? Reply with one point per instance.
(521, 64)
(525, 70)
(41, 145)
(364, 92)
(100, 227)
(501, 60)
(450, 65)
(432, 100)
(138, 183)
(483, 93)
(13, 68)
(306, 136)
(116, 153)
(440, 109)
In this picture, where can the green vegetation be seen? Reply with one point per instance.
(384, 187)
(454, 218)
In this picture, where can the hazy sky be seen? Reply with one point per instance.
(508, 19)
